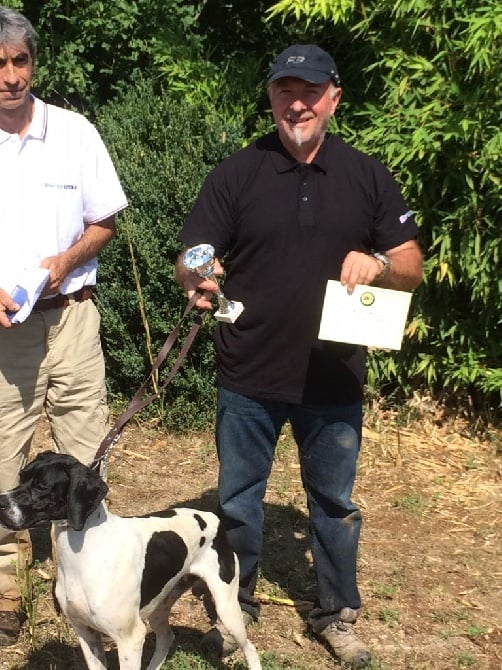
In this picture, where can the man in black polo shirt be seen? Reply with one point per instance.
(287, 213)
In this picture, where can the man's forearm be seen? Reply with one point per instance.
(406, 268)
(94, 239)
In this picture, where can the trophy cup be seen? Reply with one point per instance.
(200, 259)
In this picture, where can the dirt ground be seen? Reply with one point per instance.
(430, 565)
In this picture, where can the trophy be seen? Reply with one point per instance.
(200, 259)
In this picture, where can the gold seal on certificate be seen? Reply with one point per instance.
(369, 316)
(200, 259)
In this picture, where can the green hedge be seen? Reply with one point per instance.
(162, 150)
(421, 93)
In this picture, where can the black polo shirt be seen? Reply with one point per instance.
(282, 229)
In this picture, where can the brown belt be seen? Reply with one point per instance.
(61, 300)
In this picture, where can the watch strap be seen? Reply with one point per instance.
(386, 265)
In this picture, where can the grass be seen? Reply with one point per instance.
(384, 591)
(447, 617)
(411, 503)
(270, 661)
(31, 587)
(389, 616)
(466, 660)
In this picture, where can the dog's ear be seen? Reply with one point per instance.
(85, 492)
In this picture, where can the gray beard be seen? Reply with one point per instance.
(298, 133)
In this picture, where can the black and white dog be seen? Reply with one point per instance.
(116, 572)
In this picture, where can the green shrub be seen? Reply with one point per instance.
(426, 102)
(90, 50)
(163, 149)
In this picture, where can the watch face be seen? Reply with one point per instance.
(198, 257)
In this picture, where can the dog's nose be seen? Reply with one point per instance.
(4, 501)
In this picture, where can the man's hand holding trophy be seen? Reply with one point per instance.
(201, 260)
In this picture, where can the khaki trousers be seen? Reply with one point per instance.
(53, 362)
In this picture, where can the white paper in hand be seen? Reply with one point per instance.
(370, 316)
(26, 291)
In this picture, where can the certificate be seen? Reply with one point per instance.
(26, 290)
(370, 316)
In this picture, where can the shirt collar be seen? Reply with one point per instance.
(284, 162)
(38, 125)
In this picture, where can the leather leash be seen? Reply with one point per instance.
(138, 401)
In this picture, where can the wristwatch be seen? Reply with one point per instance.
(386, 265)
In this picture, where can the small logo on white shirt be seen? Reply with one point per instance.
(61, 187)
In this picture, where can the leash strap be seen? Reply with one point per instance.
(138, 401)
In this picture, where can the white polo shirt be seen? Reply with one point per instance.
(55, 179)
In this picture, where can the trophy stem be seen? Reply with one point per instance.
(225, 304)
(200, 259)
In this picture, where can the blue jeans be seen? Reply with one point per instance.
(328, 439)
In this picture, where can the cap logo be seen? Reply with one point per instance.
(295, 59)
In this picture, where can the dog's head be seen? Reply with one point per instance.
(52, 487)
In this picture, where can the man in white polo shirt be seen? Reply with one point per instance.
(59, 194)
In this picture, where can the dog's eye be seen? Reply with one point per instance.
(40, 487)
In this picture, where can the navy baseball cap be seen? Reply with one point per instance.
(304, 61)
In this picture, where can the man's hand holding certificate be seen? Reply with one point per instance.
(370, 316)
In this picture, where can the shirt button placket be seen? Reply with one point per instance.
(305, 205)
